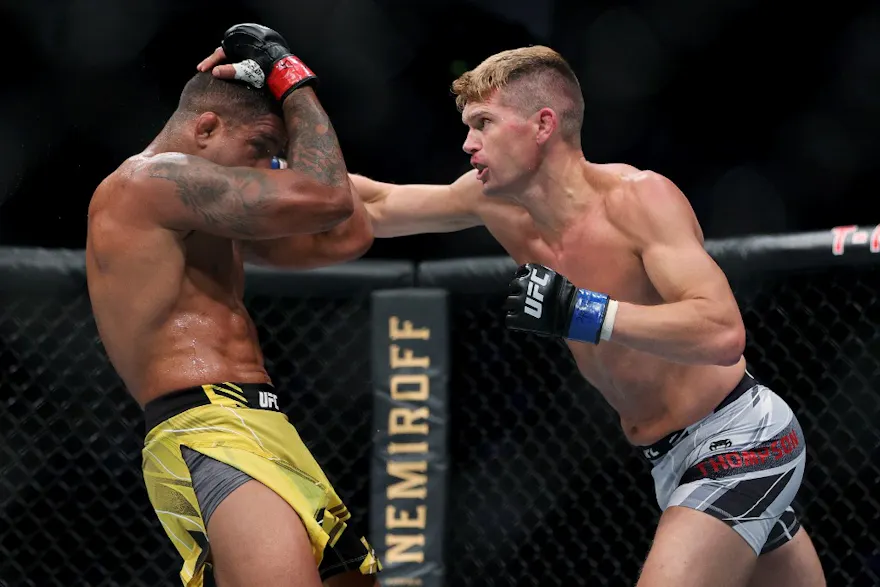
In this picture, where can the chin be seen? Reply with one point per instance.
(495, 190)
(489, 192)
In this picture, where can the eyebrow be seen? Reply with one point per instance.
(474, 115)
(272, 139)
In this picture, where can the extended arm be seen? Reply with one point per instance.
(400, 210)
(344, 242)
(699, 321)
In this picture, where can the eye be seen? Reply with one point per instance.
(261, 149)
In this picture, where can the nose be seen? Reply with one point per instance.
(471, 144)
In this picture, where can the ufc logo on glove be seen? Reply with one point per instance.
(545, 303)
(534, 307)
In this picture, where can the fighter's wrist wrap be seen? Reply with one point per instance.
(592, 317)
(288, 74)
(262, 56)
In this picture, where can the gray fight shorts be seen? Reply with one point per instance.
(742, 464)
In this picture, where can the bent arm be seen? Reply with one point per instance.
(185, 193)
(346, 241)
(700, 323)
(189, 193)
(401, 210)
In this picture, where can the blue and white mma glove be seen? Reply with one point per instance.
(279, 163)
(546, 303)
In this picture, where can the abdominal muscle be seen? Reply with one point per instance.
(653, 397)
(195, 349)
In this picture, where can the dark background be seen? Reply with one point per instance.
(766, 114)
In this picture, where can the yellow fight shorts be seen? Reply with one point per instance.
(204, 442)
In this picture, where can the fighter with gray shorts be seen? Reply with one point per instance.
(742, 464)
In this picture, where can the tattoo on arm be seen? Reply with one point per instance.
(314, 148)
(233, 200)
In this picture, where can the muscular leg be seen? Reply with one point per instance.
(352, 579)
(257, 539)
(794, 564)
(693, 549)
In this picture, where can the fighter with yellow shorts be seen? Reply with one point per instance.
(231, 481)
(204, 442)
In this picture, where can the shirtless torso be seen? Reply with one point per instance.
(601, 252)
(653, 396)
(169, 304)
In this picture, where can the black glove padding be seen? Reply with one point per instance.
(539, 300)
(282, 71)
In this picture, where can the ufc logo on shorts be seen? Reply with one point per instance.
(268, 400)
(534, 297)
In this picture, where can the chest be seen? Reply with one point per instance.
(592, 254)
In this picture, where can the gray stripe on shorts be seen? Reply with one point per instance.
(212, 480)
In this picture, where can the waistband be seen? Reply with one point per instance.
(261, 396)
(665, 444)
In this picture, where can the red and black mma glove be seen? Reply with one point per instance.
(546, 303)
(261, 55)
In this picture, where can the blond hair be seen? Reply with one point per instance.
(530, 78)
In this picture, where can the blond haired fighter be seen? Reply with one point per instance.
(612, 260)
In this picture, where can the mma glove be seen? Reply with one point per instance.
(261, 56)
(546, 303)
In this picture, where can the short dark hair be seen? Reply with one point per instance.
(231, 99)
(529, 78)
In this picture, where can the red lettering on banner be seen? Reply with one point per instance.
(838, 238)
(875, 240)
(776, 450)
(750, 458)
(786, 444)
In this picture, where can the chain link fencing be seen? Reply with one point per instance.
(544, 489)
(73, 507)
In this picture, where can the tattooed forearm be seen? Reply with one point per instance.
(314, 149)
(234, 200)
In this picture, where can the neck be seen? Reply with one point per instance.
(169, 140)
(559, 192)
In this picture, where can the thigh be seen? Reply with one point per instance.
(747, 472)
(297, 503)
(256, 538)
(694, 549)
(794, 564)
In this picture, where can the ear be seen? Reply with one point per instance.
(548, 122)
(207, 125)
